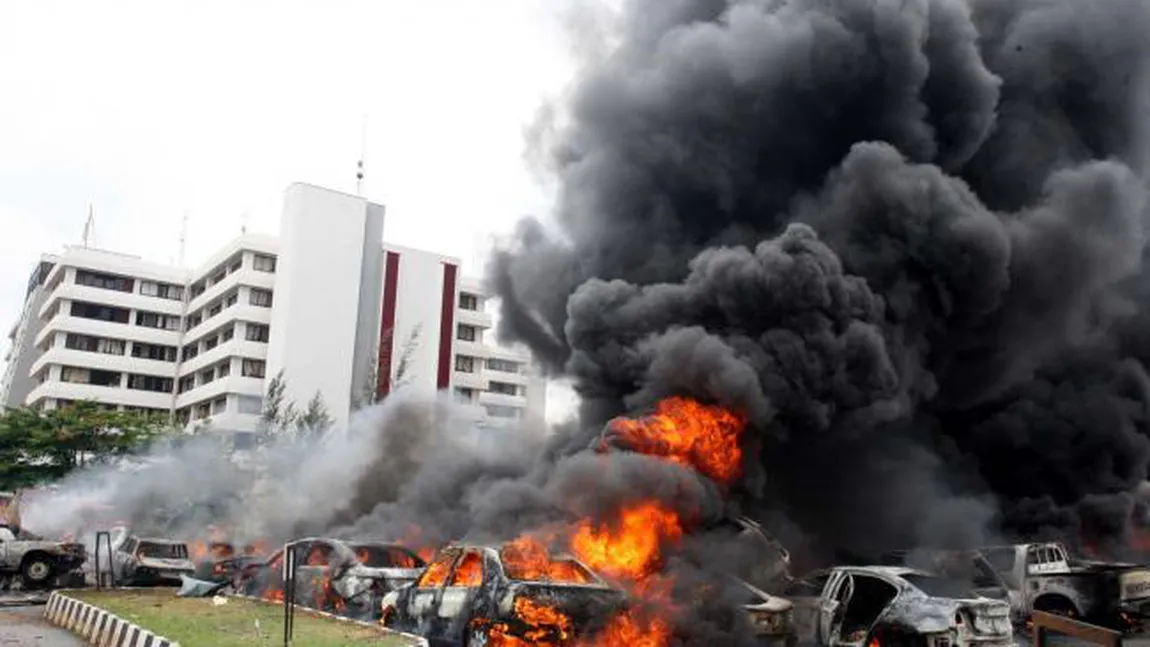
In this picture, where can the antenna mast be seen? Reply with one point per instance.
(362, 154)
(183, 238)
(89, 225)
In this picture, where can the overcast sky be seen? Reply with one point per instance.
(152, 109)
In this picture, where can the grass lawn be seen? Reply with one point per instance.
(196, 622)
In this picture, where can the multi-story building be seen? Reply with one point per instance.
(327, 304)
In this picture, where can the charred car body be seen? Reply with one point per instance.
(223, 563)
(471, 594)
(37, 562)
(344, 578)
(895, 606)
(1043, 577)
(141, 561)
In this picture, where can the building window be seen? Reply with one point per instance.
(261, 298)
(101, 313)
(193, 321)
(499, 411)
(150, 383)
(207, 376)
(231, 299)
(203, 410)
(502, 365)
(253, 368)
(161, 290)
(215, 309)
(463, 332)
(211, 343)
(225, 369)
(198, 289)
(154, 351)
(250, 404)
(236, 264)
(468, 301)
(219, 405)
(154, 320)
(94, 344)
(190, 351)
(187, 383)
(257, 332)
(227, 333)
(104, 281)
(503, 388)
(463, 394)
(265, 263)
(183, 415)
(76, 375)
(465, 364)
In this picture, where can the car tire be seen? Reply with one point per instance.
(476, 637)
(36, 571)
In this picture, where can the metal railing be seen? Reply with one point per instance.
(289, 575)
(1044, 623)
(107, 537)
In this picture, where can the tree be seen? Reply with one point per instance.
(277, 416)
(315, 419)
(39, 446)
(370, 393)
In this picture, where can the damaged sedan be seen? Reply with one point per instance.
(347, 579)
(473, 595)
(894, 606)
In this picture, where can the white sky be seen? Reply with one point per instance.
(149, 109)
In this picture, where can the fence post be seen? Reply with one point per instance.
(1044, 622)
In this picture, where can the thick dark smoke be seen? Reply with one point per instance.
(907, 238)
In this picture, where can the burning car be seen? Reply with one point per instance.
(475, 594)
(347, 579)
(150, 562)
(36, 561)
(771, 617)
(219, 561)
(894, 605)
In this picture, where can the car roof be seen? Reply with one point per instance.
(889, 571)
(157, 540)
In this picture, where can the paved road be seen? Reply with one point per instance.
(22, 626)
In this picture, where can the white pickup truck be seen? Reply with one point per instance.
(36, 561)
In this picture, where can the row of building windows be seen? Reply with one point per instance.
(469, 364)
(108, 346)
(253, 368)
(126, 284)
(260, 262)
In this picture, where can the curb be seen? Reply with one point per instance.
(97, 626)
(420, 641)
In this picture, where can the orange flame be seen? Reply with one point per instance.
(413, 540)
(684, 431)
(632, 548)
(545, 626)
(435, 575)
(469, 573)
(632, 629)
(526, 559)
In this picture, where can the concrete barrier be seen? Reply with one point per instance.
(97, 626)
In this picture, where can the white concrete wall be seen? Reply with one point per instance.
(419, 297)
(317, 295)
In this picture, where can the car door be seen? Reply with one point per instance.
(832, 606)
(805, 594)
(6, 537)
(423, 599)
(458, 597)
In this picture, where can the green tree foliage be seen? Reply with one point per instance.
(41, 446)
(314, 420)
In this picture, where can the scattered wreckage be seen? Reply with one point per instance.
(895, 606)
(1044, 577)
(141, 561)
(38, 563)
(344, 578)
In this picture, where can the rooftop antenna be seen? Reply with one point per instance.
(362, 154)
(89, 225)
(183, 238)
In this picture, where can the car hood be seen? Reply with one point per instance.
(166, 564)
(931, 614)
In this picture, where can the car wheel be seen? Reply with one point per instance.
(37, 570)
(476, 637)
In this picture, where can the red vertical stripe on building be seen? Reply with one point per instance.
(387, 324)
(446, 326)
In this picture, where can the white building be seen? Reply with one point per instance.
(328, 304)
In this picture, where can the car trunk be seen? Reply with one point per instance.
(987, 617)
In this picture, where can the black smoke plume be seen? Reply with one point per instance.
(907, 238)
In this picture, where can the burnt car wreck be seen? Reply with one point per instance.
(32, 562)
(142, 561)
(344, 578)
(471, 594)
(891, 605)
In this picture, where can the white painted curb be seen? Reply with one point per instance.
(97, 626)
(420, 641)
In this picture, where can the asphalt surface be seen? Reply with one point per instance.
(24, 625)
